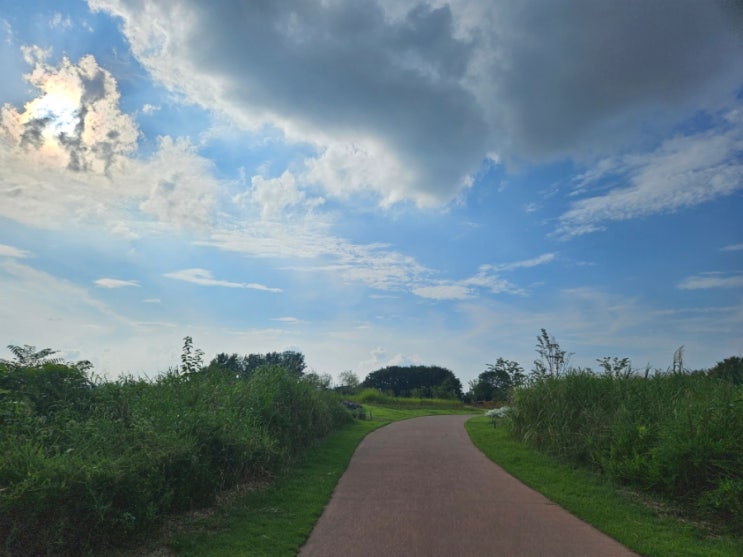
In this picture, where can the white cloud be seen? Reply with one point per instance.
(288, 319)
(66, 158)
(203, 277)
(152, 301)
(115, 283)
(375, 265)
(487, 278)
(149, 109)
(182, 189)
(58, 21)
(711, 280)
(10, 251)
(684, 171)
(444, 292)
(379, 358)
(733, 247)
(528, 263)
(275, 195)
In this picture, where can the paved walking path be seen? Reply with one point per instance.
(420, 488)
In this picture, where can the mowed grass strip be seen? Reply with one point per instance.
(644, 527)
(275, 521)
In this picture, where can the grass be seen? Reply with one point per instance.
(276, 519)
(647, 527)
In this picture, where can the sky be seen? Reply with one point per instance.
(372, 183)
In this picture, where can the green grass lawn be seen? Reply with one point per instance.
(277, 518)
(645, 527)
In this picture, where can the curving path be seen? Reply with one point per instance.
(421, 488)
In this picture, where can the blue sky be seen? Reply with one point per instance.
(372, 183)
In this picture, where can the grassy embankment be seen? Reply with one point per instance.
(656, 463)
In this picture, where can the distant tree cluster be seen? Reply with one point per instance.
(415, 381)
(244, 366)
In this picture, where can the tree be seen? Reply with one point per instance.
(245, 366)
(422, 381)
(497, 381)
(349, 383)
(28, 356)
(730, 369)
(321, 382)
(552, 360)
(192, 361)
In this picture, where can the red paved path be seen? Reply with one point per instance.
(420, 488)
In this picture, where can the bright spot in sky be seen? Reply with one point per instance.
(61, 110)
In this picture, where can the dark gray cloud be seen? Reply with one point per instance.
(575, 72)
(33, 132)
(444, 84)
(343, 68)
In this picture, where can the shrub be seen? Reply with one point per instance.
(85, 466)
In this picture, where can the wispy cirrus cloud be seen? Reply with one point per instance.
(733, 247)
(115, 283)
(711, 280)
(288, 320)
(684, 171)
(488, 278)
(10, 251)
(203, 277)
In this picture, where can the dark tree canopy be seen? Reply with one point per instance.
(730, 369)
(497, 381)
(244, 366)
(415, 381)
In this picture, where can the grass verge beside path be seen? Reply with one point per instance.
(276, 520)
(598, 502)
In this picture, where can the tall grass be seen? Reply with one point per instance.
(88, 466)
(677, 435)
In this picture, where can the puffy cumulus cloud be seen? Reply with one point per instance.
(75, 121)
(67, 158)
(407, 99)
(174, 188)
(684, 171)
(347, 168)
(181, 188)
(275, 197)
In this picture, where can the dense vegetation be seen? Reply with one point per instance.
(88, 464)
(678, 434)
(415, 381)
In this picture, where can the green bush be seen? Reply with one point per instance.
(86, 466)
(678, 435)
